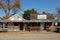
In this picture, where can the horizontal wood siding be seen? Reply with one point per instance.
(34, 16)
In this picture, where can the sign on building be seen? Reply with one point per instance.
(41, 16)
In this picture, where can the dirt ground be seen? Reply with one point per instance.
(33, 35)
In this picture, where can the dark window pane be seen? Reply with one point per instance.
(16, 24)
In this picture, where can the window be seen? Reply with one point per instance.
(38, 24)
(58, 23)
(35, 24)
(49, 23)
(16, 24)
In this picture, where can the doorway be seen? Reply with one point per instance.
(42, 26)
(21, 26)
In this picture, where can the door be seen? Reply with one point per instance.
(42, 26)
(21, 26)
(45, 26)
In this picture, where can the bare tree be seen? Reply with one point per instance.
(58, 10)
(10, 5)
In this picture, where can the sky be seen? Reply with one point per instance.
(41, 5)
(48, 6)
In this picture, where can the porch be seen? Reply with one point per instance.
(40, 26)
(28, 25)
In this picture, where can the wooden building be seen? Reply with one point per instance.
(37, 22)
(46, 21)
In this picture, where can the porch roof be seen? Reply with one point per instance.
(26, 20)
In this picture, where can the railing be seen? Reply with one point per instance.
(13, 28)
(34, 28)
(3, 29)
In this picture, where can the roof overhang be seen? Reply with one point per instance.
(26, 20)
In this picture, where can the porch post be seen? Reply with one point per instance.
(24, 27)
(3, 25)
